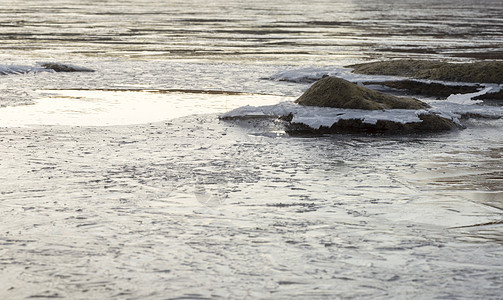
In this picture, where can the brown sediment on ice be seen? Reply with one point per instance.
(340, 93)
(414, 87)
(481, 72)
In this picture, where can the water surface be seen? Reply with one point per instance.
(280, 31)
(124, 184)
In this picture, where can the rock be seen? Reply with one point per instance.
(429, 123)
(480, 72)
(438, 90)
(340, 93)
(334, 105)
(57, 67)
(492, 98)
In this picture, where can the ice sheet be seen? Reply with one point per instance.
(315, 117)
(106, 108)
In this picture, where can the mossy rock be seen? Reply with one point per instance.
(482, 72)
(340, 93)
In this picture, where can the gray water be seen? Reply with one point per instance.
(191, 207)
(280, 31)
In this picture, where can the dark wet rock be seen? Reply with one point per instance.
(487, 54)
(340, 93)
(429, 123)
(57, 67)
(413, 87)
(492, 98)
(480, 72)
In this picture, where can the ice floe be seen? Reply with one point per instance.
(19, 69)
(452, 108)
(316, 117)
(41, 67)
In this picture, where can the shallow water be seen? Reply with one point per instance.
(124, 184)
(121, 107)
(316, 32)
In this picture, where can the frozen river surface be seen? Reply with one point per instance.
(124, 184)
(199, 208)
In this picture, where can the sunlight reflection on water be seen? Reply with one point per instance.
(106, 108)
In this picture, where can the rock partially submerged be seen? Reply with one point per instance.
(334, 105)
(340, 93)
(429, 89)
(40, 67)
(481, 72)
(495, 98)
(427, 123)
(58, 67)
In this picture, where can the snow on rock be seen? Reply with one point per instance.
(315, 117)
